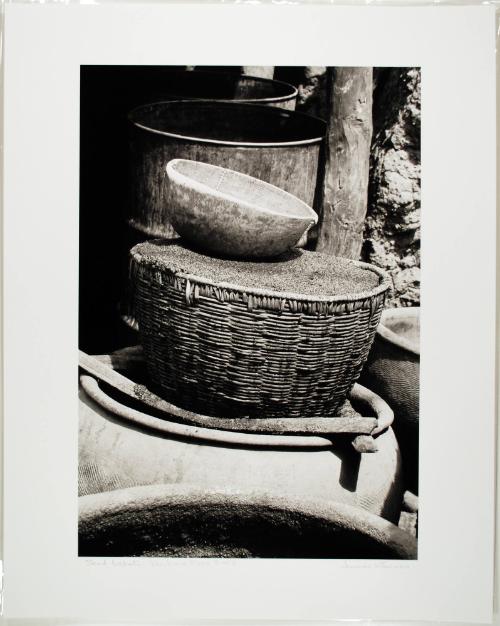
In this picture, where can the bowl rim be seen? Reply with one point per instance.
(270, 110)
(179, 178)
(95, 509)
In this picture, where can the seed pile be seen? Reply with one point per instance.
(298, 271)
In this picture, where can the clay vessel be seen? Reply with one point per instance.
(186, 521)
(222, 211)
(122, 447)
(393, 371)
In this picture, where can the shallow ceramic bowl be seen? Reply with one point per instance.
(222, 211)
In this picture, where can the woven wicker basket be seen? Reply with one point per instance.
(222, 349)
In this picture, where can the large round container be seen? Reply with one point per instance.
(185, 521)
(116, 451)
(277, 146)
(242, 350)
(393, 371)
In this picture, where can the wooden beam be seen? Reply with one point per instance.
(263, 71)
(347, 161)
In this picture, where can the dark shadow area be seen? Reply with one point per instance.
(351, 461)
(107, 95)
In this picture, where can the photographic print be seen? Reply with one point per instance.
(249, 306)
(213, 275)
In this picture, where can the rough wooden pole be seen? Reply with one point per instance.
(347, 159)
(263, 71)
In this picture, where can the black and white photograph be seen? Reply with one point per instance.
(230, 231)
(249, 311)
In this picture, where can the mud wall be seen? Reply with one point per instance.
(392, 226)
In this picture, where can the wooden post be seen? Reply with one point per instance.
(347, 161)
(263, 71)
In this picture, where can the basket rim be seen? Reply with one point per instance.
(382, 287)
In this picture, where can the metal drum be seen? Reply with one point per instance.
(279, 147)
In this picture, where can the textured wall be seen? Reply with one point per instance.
(392, 228)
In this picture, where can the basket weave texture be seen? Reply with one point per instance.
(229, 350)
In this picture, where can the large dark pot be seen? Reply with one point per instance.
(185, 521)
(393, 371)
(277, 146)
